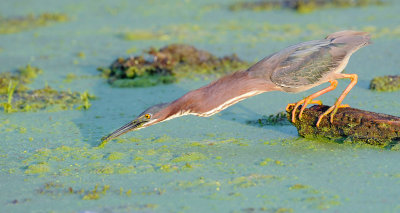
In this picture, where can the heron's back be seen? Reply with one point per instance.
(308, 64)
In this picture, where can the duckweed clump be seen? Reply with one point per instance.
(278, 119)
(302, 6)
(388, 83)
(168, 65)
(15, 96)
(18, 24)
(19, 79)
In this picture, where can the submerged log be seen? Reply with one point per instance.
(349, 124)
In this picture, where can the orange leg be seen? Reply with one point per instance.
(333, 109)
(309, 100)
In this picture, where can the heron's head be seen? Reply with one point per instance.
(150, 116)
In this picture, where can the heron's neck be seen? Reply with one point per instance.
(219, 95)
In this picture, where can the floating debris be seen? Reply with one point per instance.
(18, 24)
(302, 6)
(271, 120)
(15, 96)
(388, 83)
(167, 65)
(350, 125)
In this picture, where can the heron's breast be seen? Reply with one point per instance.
(342, 65)
(219, 106)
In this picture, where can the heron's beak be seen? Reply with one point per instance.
(136, 124)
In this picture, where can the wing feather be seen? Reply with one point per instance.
(306, 64)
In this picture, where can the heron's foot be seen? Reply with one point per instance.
(319, 102)
(333, 109)
(295, 106)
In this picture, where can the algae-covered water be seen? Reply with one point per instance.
(49, 159)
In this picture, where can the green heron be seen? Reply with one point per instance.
(294, 69)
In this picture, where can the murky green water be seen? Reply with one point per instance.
(49, 161)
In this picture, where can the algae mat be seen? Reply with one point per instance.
(49, 161)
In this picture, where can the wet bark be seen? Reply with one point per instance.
(349, 124)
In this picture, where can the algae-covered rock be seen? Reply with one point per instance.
(15, 96)
(167, 65)
(349, 124)
(388, 83)
(18, 24)
(301, 6)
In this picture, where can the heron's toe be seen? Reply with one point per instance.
(319, 102)
(289, 105)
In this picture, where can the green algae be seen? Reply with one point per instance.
(302, 6)
(268, 160)
(15, 96)
(284, 210)
(143, 35)
(265, 162)
(168, 168)
(63, 153)
(223, 196)
(10, 92)
(144, 81)
(109, 169)
(316, 199)
(81, 55)
(19, 79)
(161, 139)
(188, 157)
(46, 98)
(85, 100)
(168, 65)
(298, 186)
(39, 168)
(96, 194)
(278, 119)
(389, 83)
(24, 23)
(70, 77)
(115, 156)
(252, 180)
(196, 184)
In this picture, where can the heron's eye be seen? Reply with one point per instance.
(148, 116)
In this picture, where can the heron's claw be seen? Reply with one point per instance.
(333, 109)
(295, 106)
(319, 102)
(289, 105)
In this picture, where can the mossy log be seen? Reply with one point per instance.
(349, 124)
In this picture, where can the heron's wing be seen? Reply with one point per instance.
(307, 63)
